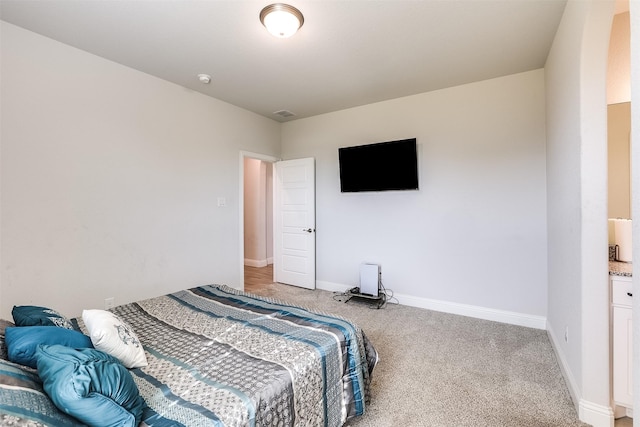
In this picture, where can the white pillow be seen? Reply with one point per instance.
(112, 335)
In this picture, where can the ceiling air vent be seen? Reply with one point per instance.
(284, 113)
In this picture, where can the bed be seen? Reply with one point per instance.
(215, 356)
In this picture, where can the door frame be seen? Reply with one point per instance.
(246, 155)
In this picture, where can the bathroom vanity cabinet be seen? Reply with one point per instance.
(622, 344)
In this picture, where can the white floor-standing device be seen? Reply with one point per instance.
(370, 286)
(369, 279)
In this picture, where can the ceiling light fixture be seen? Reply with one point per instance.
(204, 78)
(281, 20)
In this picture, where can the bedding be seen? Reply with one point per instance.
(22, 342)
(33, 315)
(113, 336)
(23, 401)
(220, 357)
(90, 385)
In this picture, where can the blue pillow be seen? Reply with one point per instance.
(22, 341)
(90, 385)
(33, 315)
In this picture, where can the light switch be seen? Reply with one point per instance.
(222, 202)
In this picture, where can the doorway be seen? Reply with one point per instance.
(258, 213)
(285, 192)
(256, 222)
(619, 197)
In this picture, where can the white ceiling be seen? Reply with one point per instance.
(348, 52)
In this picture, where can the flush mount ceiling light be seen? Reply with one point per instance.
(281, 20)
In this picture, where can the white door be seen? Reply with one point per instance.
(294, 228)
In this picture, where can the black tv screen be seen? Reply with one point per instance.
(384, 166)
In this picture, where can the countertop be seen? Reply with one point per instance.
(619, 268)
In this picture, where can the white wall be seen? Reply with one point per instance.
(619, 118)
(257, 213)
(475, 232)
(619, 162)
(110, 179)
(563, 182)
(618, 64)
(577, 204)
(269, 212)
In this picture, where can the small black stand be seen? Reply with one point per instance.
(379, 300)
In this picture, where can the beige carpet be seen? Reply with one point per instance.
(439, 369)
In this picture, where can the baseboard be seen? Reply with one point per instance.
(596, 415)
(512, 318)
(256, 262)
(622, 411)
(332, 287)
(588, 412)
(572, 385)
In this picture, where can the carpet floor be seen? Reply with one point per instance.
(443, 370)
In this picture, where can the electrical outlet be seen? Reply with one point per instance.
(566, 334)
(109, 303)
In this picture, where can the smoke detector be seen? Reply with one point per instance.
(204, 78)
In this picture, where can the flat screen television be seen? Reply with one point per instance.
(384, 166)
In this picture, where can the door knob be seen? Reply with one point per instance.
(309, 230)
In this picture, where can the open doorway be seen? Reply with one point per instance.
(284, 248)
(619, 194)
(258, 213)
(256, 239)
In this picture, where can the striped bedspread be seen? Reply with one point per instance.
(219, 357)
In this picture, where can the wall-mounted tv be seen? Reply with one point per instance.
(384, 166)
